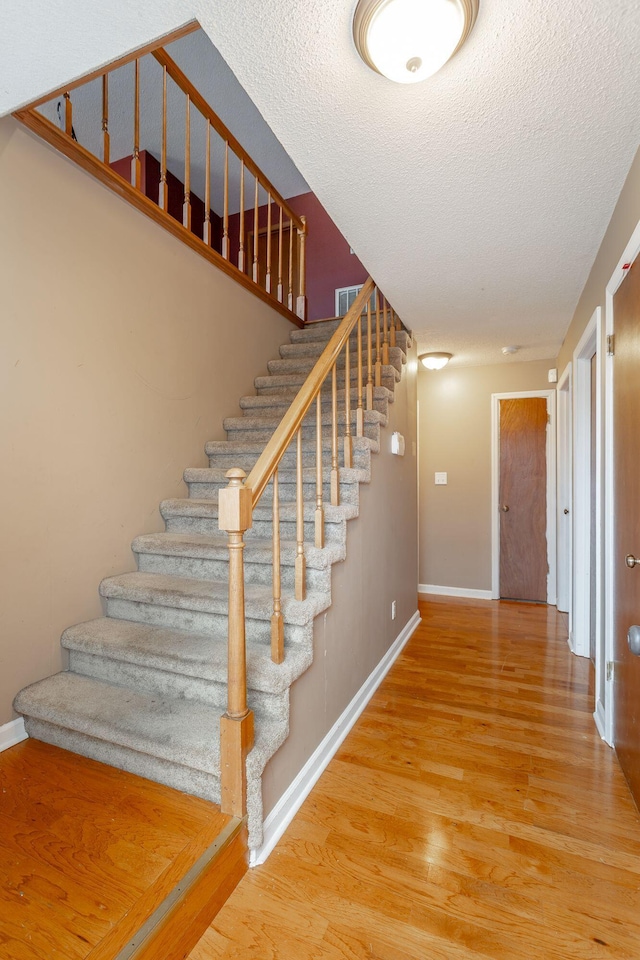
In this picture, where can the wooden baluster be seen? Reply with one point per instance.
(335, 469)
(348, 442)
(256, 211)
(300, 569)
(392, 328)
(385, 336)
(319, 531)
(105, 120)
(236, 726)
(136, 170)
(301, 304)
(225, 204)
(280, 289)
(68, 115)
(206, 227)
(360, 411)
(369, 393)
(378, 366)
(290, 292)
(277, 620)
(241, 237)
(186, 206)
(267, 282)
(163, 189)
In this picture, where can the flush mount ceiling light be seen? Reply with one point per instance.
(409, 40)
(435, 361)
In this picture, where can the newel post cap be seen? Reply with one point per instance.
(235, 503)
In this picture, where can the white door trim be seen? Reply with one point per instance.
(550, 396)
(605, 711)
(565, 493)
(588, 345)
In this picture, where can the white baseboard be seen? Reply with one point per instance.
(601, 722)
(439, 591)
(12, 733)
(292, 799)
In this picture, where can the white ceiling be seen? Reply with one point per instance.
(477, 199)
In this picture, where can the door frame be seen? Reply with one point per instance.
(604, 714)
(588, 346)
(564, 590)
(550, 396)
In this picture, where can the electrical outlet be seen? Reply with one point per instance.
(393, 609)
(440, 478)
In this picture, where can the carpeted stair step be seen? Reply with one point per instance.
(282, 383)
(226, 454)
(324, 330)
(262, 428)
(182, 664)
(200, 606)
(201, 516)
(278, 404)
(205, 482)
(306, 364)
(206, 557)
(313, 349)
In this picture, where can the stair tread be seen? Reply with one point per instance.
(244, 423)
(180, 651)
(208, 596)
(282, 399)
(257, 550)
(218, 475)
(208, 509)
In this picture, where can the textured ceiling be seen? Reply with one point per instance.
(477, 199)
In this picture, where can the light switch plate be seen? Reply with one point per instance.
(441, 479)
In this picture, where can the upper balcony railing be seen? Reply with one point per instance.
(141, 127)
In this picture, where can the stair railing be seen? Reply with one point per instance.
(239, 499)
(254, 235)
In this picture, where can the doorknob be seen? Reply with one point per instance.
(631, 561)
(505, 509)
(633, 639)
(566, 511)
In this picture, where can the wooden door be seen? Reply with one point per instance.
(523, 499)
(626, 491)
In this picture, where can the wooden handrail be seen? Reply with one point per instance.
(285, 432)
(198, 101)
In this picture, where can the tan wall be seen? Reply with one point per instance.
(122, 350)
(455, 436)
(622, 224)
(357, 630)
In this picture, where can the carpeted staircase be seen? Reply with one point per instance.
(146, 684)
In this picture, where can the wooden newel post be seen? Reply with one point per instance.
(301, 302)
(236, 726)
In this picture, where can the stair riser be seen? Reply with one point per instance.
(259, 434)
(247, 461)
(279, 409)
(349, 492)
(153, 680)
(290, 381)
(322, 333)
(260, 573)
(305, 364)
(334, 533)
(199, 621)
(174, 775)
(313, 350)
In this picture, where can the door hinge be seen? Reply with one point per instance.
(548, 418)
(611, 345)
(609, 670)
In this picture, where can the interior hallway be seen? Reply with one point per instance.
(472, 812)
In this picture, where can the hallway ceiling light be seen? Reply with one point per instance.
(435, 361)
(409, 40)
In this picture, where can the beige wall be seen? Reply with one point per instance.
(122, 350)
(623, 222)
(455, 436)
(381, 566)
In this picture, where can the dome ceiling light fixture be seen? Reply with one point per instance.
(409, 40)
(435, 361)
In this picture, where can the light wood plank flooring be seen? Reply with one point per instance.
(473, 812)
(88, 852)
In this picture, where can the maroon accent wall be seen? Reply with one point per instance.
(329, 263)
(150, 185)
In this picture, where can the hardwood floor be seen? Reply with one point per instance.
(473, 812)
(87, 853)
